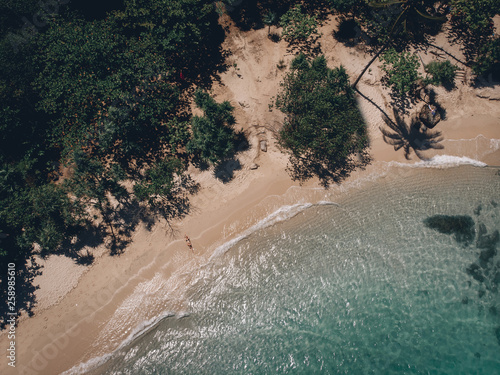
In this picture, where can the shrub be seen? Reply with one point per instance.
(401, 72)
(441, 73)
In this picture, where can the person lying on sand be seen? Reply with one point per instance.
(188, 242)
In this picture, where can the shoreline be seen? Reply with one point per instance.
(94, 301)
(109, 301)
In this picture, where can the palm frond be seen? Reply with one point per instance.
(428, 16)
(383, 4)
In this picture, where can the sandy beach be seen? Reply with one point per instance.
(84, 313)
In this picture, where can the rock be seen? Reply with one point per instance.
(497, 334)
(254, 166)
(487, 254)
(263, 146)
(485, 240)
(429, 116)
(462, 227)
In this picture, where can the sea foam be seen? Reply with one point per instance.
(138, 331)
(441, 161)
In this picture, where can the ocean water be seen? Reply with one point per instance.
(400, 276)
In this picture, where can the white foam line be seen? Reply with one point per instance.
(281, 214)
(442, 161)
(139, 330)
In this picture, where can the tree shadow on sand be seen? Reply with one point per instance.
(410, 136)
(25, 299)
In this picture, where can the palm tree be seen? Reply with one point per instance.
(269, 19)
(409, 11)
(410, 136)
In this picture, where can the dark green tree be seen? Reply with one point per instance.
(213, 137)
(324, 132)
(32, 210)
(474, 16)
(186, 34)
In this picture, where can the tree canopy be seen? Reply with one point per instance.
(102, 96)
(324, 132)
(213, 135)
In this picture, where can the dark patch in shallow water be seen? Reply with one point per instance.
(497, 334)
(462, 227)
(475, 271)
(485, 240)
(423, 292)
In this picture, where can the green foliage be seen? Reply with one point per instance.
(442, 73)
(344, 6)
(401, 72)
(93, 180)
(77, 65)
(323, 128)
(298, 27)
(488, 59)
(475, 16)
(158, 183)
(109, 101)
(33, 211)
(213, 135)
(182, 31)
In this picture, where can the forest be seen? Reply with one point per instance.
(96, 101)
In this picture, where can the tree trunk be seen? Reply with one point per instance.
(371, 61)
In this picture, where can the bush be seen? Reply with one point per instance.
(441, 73)
(401, 72)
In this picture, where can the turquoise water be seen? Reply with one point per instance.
(362, 286)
